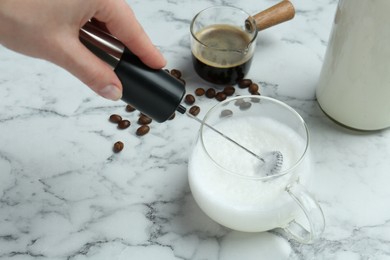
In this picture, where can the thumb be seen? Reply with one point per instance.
(92, 71)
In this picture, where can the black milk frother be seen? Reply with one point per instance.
(153, 92)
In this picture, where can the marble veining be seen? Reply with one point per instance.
(65, 195)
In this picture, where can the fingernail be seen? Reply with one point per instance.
(110, 92)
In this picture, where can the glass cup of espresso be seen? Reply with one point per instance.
(223, 40)
(244, 193)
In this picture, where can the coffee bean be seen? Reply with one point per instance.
(123, 124)
(229, 90)
(239, 102)
(189, 99)
(210, 93)
(194, 110)
(176, 73)
(172, 116)
(118, 146)
(244, 83)
(245, 105)
(254, 99)
(142, 130)
(200, 92)
(130, 108)
(226, 113)
(114, 118)
(144, 120)
(253, 88)
(220, 96)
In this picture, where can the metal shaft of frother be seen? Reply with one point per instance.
(225, 136)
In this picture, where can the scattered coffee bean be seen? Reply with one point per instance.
(194, 110)
(226, 113)
(118, 146)
(200, 92)
(220, 96)
(189, 99)
(239, 102)
(176, 73)
(130, 108)
(142, 130)
(123, 124)
(253, 88)
(144, 120)
(210, 93)
(172, 116)
(254, 99)
(114, 118)
(244, 83)
(245, 105)
(229, 90)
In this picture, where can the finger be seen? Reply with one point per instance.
(78, 60)
(122, 23)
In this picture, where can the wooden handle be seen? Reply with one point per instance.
(274, 15)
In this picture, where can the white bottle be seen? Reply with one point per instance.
(354, 85)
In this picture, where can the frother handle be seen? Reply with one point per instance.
(153, 92)
(102, 44)
(274, 15)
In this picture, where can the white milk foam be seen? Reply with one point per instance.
(238, 202)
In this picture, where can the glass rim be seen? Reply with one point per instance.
(264, 178)
(254, 36)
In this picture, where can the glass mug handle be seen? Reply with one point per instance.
(313, 213)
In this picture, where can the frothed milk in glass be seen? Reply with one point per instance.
(255, 202)
(232, 186)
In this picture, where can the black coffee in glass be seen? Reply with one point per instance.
(221, 53)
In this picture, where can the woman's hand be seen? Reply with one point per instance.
(49, 29)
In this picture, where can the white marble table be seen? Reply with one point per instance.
(65, 195)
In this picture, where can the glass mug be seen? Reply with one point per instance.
(241, 192)
(222, 46)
